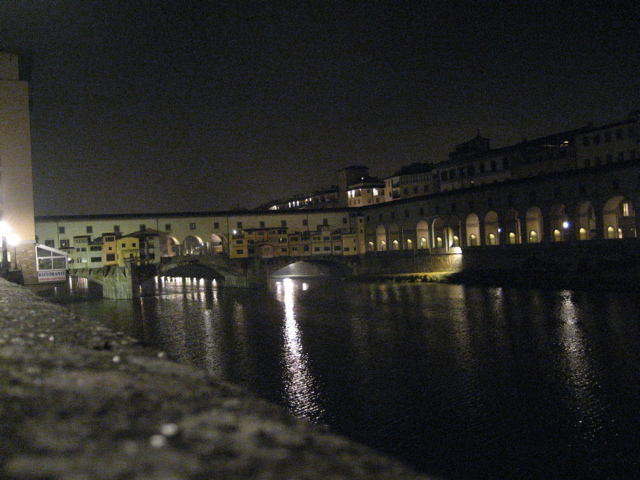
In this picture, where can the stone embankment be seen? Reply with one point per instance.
(81, 402)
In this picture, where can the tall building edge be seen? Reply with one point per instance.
(16, 180)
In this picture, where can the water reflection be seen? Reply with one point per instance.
(580, 375)
(460, 382)
(299, 385)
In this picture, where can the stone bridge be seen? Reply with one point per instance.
(124, 282)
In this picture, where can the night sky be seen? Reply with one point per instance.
(164, 106)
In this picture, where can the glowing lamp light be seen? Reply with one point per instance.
(565, 224)
(5, 229)
(14, 239)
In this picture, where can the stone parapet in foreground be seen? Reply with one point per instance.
(80, 402)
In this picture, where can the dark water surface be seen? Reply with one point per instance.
(461, 382)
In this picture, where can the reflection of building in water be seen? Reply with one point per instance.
(580, 376)
(299, 386)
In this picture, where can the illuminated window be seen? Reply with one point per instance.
(583, 234)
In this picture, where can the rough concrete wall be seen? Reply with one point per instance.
(78, 401)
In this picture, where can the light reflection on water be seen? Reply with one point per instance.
(299, 383)
(460, 382)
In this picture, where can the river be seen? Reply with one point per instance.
(459, 382)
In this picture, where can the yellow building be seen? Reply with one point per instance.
(242, 244)
(110, 248)
(127, 250)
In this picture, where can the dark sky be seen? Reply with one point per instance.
(161, 106)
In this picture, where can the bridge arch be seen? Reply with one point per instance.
(193, 245)
(191, 271)
(216, 243)
(169, 246)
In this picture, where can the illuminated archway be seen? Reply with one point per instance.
(559, 223)
(586, 222)
(582, 234)
(473, 230)
(381, 238)
(394, 236)
(534, 224)
(619, 218)
(422, 234)
(193, 245)
(215, 244)
(439, 234)
(512, 226)
(491, 228)
(169, 246)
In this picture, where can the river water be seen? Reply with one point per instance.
(459, 382)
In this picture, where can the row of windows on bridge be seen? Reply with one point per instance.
(194, 226)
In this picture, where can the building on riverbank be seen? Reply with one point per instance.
(16, 186)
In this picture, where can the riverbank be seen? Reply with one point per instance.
(82, 401)
(587, 265)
